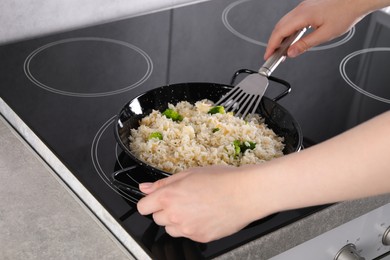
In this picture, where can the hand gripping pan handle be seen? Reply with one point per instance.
(279, 55)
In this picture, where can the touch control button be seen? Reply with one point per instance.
(348, 252)
(386, 237)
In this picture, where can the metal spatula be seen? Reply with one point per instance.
(246, 96)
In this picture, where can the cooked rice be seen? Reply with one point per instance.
(192, 142)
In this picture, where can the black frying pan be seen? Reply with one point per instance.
(276, 117)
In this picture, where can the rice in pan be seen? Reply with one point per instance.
(195, 137)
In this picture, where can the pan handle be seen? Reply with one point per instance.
(126, 186)
(280, 81)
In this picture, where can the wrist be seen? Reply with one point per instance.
(263, 190)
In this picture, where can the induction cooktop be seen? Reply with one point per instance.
(68, 87)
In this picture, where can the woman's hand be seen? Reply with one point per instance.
(202, 204)
(328, 18)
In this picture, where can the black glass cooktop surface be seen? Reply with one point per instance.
(68, 88)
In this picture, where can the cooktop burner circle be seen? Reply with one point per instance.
(225, 19)
(344, 73)
(88, 67)
(105, 171)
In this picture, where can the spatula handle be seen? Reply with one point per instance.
(279, 55)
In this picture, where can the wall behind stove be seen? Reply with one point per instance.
(33, 18)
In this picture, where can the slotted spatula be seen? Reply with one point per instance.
(246, 96)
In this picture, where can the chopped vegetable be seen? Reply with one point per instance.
(247, 145)
(237, 148)
(155, 135)
(172, 114)
(215, 129)
(241, 147)
(216, 110)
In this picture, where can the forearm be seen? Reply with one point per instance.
(373, 5)
(355, 164)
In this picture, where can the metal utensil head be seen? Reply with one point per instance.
(245, 97)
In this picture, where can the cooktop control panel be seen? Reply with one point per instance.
(366, 237)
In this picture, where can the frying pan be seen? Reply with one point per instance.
(275, 116)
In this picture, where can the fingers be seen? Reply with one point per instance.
(275, 40)
(298, 48)
(316, 37)
(146, 187)
(320, 35)
(324, 17)
(149, 204)
(287, 26)
(149, 187)
(161, 218)
(170, 223)
(152, 202)
(277, 37)
(173, 231)
(156, 198)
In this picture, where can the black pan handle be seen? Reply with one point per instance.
(131, 185)
(280, 81)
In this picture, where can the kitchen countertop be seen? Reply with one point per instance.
(40, 217)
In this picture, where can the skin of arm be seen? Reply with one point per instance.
(328, 18)
(208, 203)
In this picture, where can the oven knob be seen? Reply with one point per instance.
(348, 252)
(386, 237)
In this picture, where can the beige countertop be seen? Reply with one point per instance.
(39, 217)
